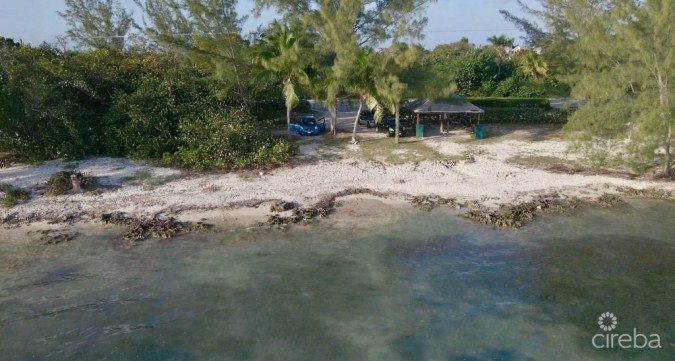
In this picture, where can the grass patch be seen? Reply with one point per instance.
(13, 195)
(496, 133)
(407, 151)
(540, 161)
(147, 179)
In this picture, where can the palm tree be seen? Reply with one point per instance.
(501, 45)
(282, 57)
(501, 40)
(531, 65)
(361, 83)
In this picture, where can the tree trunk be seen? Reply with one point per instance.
(288, 122)
(235, 68)
(398, 121)
(668, 119)
(667, 156)
(356, 121)
(333, 121)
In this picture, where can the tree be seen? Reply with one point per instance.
(377, 21)
(530, 64)
(501, 41)
(361, 83)
(622, 56)
(98, 24)
(534, 35)
(500, 45)
(344, 26)
(402, 74)
(208, 31)
(282, 57)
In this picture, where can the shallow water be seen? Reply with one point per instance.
(430, 287)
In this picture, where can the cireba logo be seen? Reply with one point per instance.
(607, 322)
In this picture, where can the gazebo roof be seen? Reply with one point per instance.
(452, 104)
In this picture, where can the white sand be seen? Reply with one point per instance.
(490, 181)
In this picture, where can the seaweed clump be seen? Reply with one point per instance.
(648, 193)
(142, 229)
(514, 216)
(428, 203)
(320, 209)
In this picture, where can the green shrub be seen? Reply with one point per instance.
(530, 91)
(13, 195)
(227, 139)
(541, 103)
(60, 183)
(506, 88)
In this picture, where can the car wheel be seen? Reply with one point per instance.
(368, 125)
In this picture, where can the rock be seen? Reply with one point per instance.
(427, 203)
(52, 237)
(281, 206)
(141, 229)
(610, 200)
(648, 193)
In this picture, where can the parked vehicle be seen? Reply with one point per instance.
(308, 125)
(388, 125)
(366, 117)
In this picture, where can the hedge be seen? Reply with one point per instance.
(540, 103)
(525, 116)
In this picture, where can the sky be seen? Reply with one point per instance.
(36, 21)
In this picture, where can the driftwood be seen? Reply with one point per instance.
(76, 184)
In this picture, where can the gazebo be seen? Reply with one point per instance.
(444, 108)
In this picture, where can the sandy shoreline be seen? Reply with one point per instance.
(478, 172)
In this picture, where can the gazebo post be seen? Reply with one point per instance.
(441, 121)
(418, 118)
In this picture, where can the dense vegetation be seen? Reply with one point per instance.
(191, 90)
(136, 103)
(619, 57)
(495, 70)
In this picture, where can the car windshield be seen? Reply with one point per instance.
(308, 121)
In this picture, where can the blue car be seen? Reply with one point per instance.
(308, 125)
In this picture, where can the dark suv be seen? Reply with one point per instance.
(388, 125)
(366, 117)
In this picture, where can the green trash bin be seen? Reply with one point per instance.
(419, 131)
(478, 131)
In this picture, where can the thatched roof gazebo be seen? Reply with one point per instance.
(444, 107)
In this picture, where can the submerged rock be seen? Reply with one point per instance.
(52, 237)
(649, 193)
(610, 200)
(514, 216)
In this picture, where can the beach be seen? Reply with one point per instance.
(512, 166)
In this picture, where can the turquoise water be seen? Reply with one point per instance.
(429, 287)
